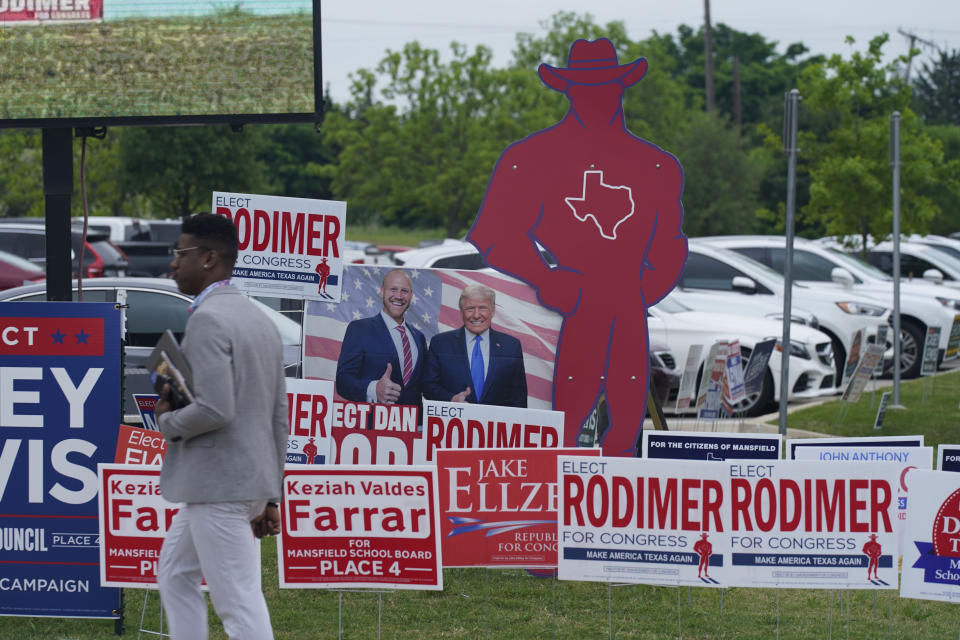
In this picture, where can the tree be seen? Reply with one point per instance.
(178, 168)
(423, 154)
(721, 178)
(936, 91)
(846, 106)
(21, 181)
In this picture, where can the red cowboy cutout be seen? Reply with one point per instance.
(323, 269)
(310, 450)
(703, 549)
(872, 549)
(606, 205)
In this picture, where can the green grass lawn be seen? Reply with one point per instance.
(478, 603)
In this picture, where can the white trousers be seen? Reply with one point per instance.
(213, 541)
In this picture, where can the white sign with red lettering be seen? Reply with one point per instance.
(931, 554)
(289, 247)
(460, 425)
(309, 409)
(134, 518)
(791, 524)
(360, 526)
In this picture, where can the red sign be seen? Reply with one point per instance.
(51, 336)
(134, 518)
(362, 446)
(346, 526)
(499, 506)
(36, 11)
(136, 445)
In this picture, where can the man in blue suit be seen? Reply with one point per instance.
(381, 357)
(476, 363)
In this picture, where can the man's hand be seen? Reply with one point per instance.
(462, 396)
(387, 390)
(163, 403)
(267, 523)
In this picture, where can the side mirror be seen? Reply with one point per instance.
(743, 284)
(933, 275)
(842, 276)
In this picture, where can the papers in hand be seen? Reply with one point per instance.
(168, 366)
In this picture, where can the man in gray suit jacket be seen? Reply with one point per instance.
(225, 451)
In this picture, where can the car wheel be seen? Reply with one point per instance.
(911, 349)
(756, 404)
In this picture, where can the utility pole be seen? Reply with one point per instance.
(708, 57)
(913, 38)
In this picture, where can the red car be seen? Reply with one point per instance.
(15, 271)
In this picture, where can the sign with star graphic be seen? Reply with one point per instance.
(59, 406)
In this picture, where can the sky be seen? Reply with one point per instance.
(356, 34)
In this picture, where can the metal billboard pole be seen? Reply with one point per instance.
(790, 147)
(895, 163)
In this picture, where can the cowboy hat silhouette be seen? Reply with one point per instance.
(592, 62)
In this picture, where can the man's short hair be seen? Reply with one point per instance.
(401, 272)
(213, 231)
(478, 291)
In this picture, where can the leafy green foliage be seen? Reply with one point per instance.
(178, 168)
(847, 104)
(936, 92)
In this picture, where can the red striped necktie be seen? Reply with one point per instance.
(407, 355)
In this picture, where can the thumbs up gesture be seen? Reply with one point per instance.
(387, 390)
(462, 396)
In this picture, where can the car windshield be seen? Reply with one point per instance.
(20, 263)
(858, 265)
(289, 329)
(949, 250)
(749, 265)
(671, 305)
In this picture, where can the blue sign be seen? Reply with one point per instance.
(60, 408)
(949, 457)
(696, 445)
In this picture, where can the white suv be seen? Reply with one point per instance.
(922, 304)
(841, 315)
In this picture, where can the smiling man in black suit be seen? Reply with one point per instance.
(476, 363)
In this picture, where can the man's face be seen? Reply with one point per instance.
(477, 314)
(187, 266)
(397, 292)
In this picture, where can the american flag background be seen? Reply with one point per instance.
(435, 309)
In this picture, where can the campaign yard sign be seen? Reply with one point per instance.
(289, 247)
(146, 403)
(134, 518)
(139, 446)
(792, 445)
(948, 457)
(767, 524)
(499, 506)
(908, 459)
(697, 445)
(360, 526)
(59, 411)
(374, 433)
(931, 555)
(309, 409)
(50, 11)
(621, 520)
(460, 425)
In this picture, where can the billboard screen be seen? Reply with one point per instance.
(92, 63)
